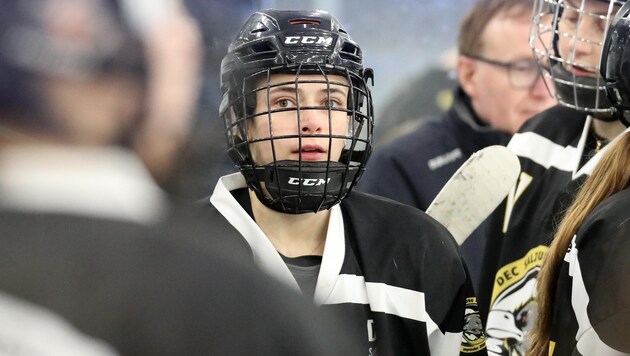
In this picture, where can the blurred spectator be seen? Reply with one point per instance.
(500, 87)
(92, 261)
(204, 160)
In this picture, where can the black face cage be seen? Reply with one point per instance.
(578, 92)
(300, 186)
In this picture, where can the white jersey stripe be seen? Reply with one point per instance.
(348, 289)
(397, 301)
(381, 297)
(588, 342)
(544, 151)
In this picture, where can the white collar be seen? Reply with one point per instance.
(265, 254)
(106, 182)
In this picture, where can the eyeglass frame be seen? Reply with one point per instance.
(509, 66)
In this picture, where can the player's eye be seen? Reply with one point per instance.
(571, 20)
(601, 25)
(284, 103)
(570, 17)
(332, 103)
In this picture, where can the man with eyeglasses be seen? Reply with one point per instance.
(557, 150)
(500, 87)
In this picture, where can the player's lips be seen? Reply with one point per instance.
(311, 153)
(581, 71)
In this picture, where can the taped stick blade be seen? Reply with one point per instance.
(475, 190)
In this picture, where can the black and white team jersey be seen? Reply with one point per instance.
(592, 308)
(393, 273)
(95, 262)
(552, 149)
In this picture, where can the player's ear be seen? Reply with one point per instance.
(466, 68)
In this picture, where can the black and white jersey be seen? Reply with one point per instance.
(552, 148)
(88, 266)
(592, 308)
(392, 272)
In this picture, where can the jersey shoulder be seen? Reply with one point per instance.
(558, 124)
(376, 217)
(609, 220)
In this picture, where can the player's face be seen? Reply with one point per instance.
(313, 124)
(91, 106)
(94, 111)
(582, 33)
(495, 97)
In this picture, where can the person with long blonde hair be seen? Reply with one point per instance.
(583, 285)
(553, 148)
(587, 267)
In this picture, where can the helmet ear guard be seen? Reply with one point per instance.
(615, 64)
(303, 44)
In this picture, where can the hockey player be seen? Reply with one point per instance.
(91, 263)
(555, 148)
(583, 286)
(500, 87)
(299, 122)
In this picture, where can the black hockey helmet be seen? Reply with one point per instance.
(615, 64)
(297, 43)
(579, 92)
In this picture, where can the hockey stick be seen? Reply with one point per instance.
(475, 190)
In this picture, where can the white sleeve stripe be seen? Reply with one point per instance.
(588, 342)
(383, 298)
(397, 301)
(544, 151)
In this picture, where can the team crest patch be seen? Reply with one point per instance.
(513, 309)
(473, 339)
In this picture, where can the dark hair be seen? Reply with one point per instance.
(470, 40)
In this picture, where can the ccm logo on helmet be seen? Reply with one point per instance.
(316, 40)
(311, 182)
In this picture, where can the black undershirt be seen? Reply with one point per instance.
(304, 269)
(594, 143)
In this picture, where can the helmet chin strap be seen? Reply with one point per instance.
(295, 187)
(583, 97)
